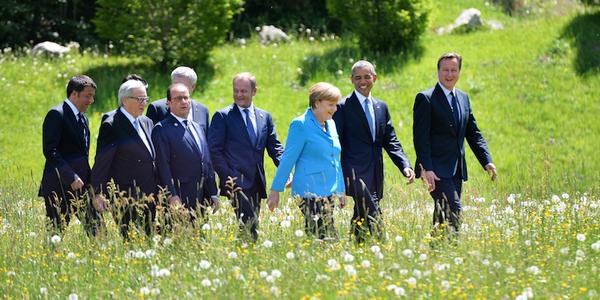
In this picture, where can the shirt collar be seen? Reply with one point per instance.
(128, 115)
(73, 108)
(179, 119)
(250, 109)
(361, 97)
(446, 91)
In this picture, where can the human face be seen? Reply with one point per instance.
(363, 80)
(324, 110)
(83, 99)
(448, 73)
(243, 92)
(133, 105)
(180, 101)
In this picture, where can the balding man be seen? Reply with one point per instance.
(183, 158)
(238, 137)
(159, 110)
(125, 156)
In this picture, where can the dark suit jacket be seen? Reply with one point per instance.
(232, 152)
(122, 156)
(158, 111)
(65, 150)
(439, 142)
(362, 158)
(183, 169)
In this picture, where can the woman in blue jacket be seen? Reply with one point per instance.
(313, 150)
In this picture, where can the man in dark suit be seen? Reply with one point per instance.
(66, 145)
(182, 156)
(238, 137)
(159, 110)
(365, 128)
(125, 156)
(443, 119)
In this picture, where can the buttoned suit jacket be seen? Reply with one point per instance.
(122, 156)
(65, 150)
(362, 158)
(439, 141)
(233, 154)
(184, 169)
(158, 111)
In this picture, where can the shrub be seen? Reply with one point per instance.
(382, 25)
(28, 22)
(169, 32)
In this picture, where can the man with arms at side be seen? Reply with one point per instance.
(125, 155)
(238, 137)
(182, 156)
(365, 128)
(66, 146)
(443, 119)
(159, 110)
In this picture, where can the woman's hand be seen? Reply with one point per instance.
(273, 200)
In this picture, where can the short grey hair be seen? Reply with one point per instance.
(363, 64)
(127, 87)
(248, 76)
(185, 72)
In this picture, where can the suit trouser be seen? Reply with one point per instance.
(138, 211)
(246, 204)
(59, 211)
(447, 200)
(318, 216)
(367, 213)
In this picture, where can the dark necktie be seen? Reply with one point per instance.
(82, 127)
(189, 128)
(250, 127)
(455, 111)
(369, 118)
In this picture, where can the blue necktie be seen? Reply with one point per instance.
(250, 127)
(455, 111)
(189, 128)
(81, 123)
(369, 118)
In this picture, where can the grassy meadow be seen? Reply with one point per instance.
(535, 232)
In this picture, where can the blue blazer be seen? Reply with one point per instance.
(362, 158)
(184, 169)
(315, 157)
(158, 111)
(439, 142)
(234, 155)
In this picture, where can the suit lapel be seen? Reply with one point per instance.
(379, 118)
(72, 119)
(260, 124)
(442, 101)
(130, 131)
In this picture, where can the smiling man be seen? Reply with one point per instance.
(443, 119)
(238, 137)
(66, 146)
(365, 128)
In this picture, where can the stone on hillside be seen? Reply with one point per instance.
(468, 19)
(53, 49)
(270, 33)
(494, 25)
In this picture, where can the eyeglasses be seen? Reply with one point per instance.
(142, 99)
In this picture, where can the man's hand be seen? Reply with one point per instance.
(491, 169)
(409, 174)
(430, 178)
(216, 203)
(99, 203)
(273, 200)
(342, 200)
(77, 184)
(174, 201)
